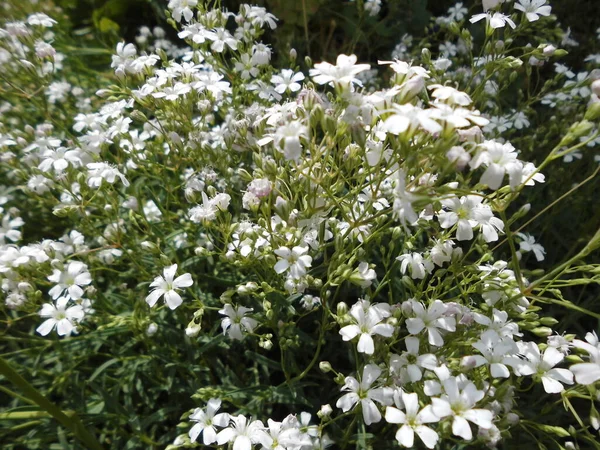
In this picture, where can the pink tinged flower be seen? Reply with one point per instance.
(433, 320)
(413, 421)
(70, 280)
(295, 261)
(206, 421)
(167, 286)
(588, 373)
(533, 9)
(459, 403)
(367, 324)
(236, 321)
(241, 433)
(361, 392)
(409, 364)
(59, 316)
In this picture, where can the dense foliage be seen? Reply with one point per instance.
(208, 237)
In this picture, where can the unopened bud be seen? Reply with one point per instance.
(325, 411)
(325, 366)
(152, 329)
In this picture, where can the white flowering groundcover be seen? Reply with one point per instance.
(287, 258)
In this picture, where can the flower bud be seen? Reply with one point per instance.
(342, 309)
(542, 331)
(152, 329)
(325, 366)
(325, 411)
(549, 50)
(192, 330)
(512, 418)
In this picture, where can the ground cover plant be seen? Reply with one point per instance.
(210, 243)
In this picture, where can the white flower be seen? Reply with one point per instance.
(467, 213)
(182, 7)
(70, 280)
(59, 159)
(206, 421)
(496, 20)
(363, 275)
(288, 80)
(103, 171)
(408, 365)
(413, 422)
(243, 434)
(343, 73)
(363, 394)
(221, 38)
(460, 405)
(419, 266)
(528, 244)
(533, 9)
(588, 373)
(59, 316)
(442, 252)
(168, 286)
(367, 324)
(261, 54)
(489, 4)
(295, 261)
(284, 435)
(497, 352)
(8, 229)
(290, 134)
(499, 159)
(236, 321)
(542, 366)
(433, 320)
(41, 19)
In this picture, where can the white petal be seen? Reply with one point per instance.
(346, 402)
(195, 431)
(366, 344)
(153, 297)
(499, 370)
(349, 332)
(427, 435)
(182, 281)
(405, 436)
(460, 427)
(370, 412)
(480, 417)
(173, 299)
(46, 327)
(281, 266)
(169, 272)
(394, 415)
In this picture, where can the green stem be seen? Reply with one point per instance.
(71, 421)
